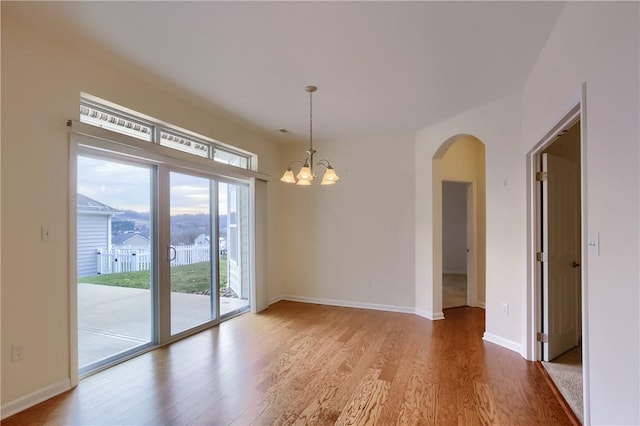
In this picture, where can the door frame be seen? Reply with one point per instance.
(533, 302)
(471, 240)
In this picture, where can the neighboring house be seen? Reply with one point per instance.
(94, 231)
(238, 235)
(130, 239)
(203, 239)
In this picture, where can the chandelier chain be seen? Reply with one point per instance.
(311, 120)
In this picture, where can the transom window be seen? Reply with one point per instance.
(156, 132)
(99, 117)
(182, 143)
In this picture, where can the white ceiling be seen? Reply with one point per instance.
(381, 67)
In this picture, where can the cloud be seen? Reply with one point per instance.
(122, 186)
(128, 187)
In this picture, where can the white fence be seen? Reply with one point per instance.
(139, 259)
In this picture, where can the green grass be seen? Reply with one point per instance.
(192, 278)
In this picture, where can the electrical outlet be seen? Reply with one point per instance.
(17, 352)
(505, 308)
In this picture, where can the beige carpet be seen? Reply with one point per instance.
(566, 372)
(454, 290)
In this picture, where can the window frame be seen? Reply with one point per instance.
(157, 128)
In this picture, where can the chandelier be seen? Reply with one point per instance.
(306, 173)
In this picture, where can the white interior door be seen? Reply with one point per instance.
(561, 244)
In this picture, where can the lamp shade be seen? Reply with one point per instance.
(304, 182)
(327, 182)
(305, 173)
(330, 177)
(288, 177)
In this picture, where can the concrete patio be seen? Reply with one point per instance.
(115, 319)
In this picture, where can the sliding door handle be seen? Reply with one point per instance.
(171, 254)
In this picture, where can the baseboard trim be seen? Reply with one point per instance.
(27, 401)
(481, 305)
(275, 300)
(429, 315)
(347, 304)
(501, 341)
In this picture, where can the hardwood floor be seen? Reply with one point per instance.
(311, 364)
(454, 290)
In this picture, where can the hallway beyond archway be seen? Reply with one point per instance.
(460, 159)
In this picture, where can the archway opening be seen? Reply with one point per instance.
(459, 160)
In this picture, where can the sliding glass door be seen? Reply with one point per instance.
(209, 250)
(123, 296)
(114, 260)
(192, 251)
(233, 208)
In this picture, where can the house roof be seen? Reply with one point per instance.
(123, 238)
(89, 205)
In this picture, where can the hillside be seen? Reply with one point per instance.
(184, 228)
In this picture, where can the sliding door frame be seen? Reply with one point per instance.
(155, 257)
(98, 142)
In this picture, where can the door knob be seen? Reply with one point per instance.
(576, 264)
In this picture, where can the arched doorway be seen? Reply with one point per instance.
(460, 159)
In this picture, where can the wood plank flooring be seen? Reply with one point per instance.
(454, 290)
(297, 364)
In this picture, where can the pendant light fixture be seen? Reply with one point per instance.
(306, 174)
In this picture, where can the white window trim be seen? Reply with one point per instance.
(158, 126)
(109, 141)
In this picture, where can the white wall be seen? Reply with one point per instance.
(496, 125)
(454, 228)
(41, 86)
(596, 43)
(352, 242)
(599, 43)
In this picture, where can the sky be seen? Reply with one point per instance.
(128, 187)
